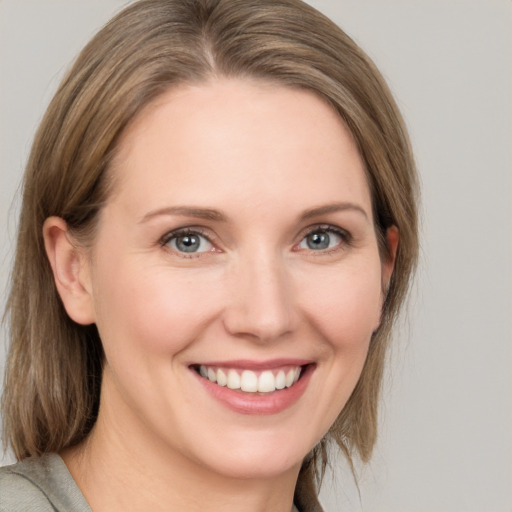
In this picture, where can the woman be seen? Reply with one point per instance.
(218, 230)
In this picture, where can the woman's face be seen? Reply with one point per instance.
(237, 249)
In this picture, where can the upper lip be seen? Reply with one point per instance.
(247, 364)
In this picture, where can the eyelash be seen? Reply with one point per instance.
(345, 236)
(168, 237)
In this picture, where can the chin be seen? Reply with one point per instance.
(259, 468)
(257, 456)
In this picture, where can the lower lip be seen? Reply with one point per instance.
(258, 404)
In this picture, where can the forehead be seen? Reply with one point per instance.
(239, 137)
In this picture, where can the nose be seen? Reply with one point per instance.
(261, 303)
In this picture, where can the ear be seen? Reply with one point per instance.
(388, 261)
(70, 271)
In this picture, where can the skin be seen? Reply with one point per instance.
(265, 157)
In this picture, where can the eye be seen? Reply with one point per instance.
(322, 239)
(188, 242)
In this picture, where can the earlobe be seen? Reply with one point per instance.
(70, 271)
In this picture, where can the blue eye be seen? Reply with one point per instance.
(189, 242)
(320, 240)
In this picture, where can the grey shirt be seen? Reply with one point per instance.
(41, 484)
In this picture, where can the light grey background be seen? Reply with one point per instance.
(446, 435)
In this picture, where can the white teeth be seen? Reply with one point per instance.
(266, 382)
(212, 375)
(290, 376)
(280, 380)
(233, 380)
(222, 380)
(249, 381)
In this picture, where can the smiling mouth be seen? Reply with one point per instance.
(249, 381)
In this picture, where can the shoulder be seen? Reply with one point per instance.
(18, 492)
(42, 484)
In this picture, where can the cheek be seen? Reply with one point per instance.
(154, 310)
(346, 309)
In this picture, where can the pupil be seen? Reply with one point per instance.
(318, 241)
(187, 243)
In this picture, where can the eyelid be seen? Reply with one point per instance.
(345, 235)
(188, 230)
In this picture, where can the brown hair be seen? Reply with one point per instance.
(54, 365)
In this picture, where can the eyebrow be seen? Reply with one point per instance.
(333, 208)
(187, 211)
(218, 216)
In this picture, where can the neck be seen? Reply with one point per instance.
(116, 473)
